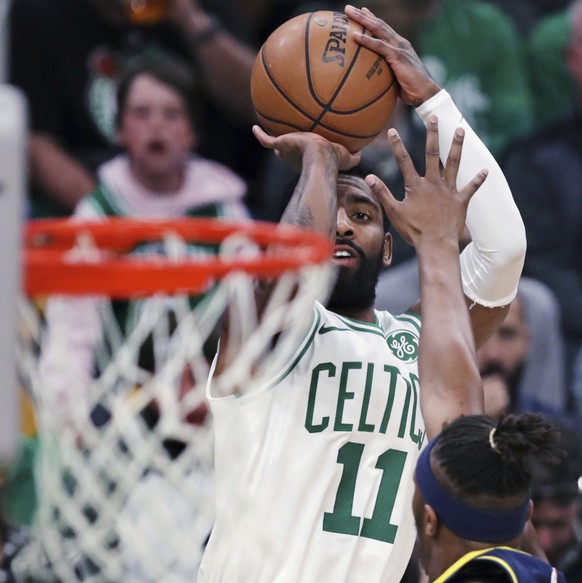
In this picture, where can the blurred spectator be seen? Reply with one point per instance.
(227, 72)
(544, 174)
(526, 14)
(556, 516)
(66, 56)
(577, 382)
(553, 85)
(472, 49)
(159, 176)
(527, 354)
(523, 364)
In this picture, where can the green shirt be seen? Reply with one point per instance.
(474, 51)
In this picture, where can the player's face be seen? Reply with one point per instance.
(362, 248)
(506, 350)
(155, 129)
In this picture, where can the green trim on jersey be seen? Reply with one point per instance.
(103, 201)
(106, 203)
(352, 325)
(299, 353)
(410, 317)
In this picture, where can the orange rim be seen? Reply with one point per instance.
(49, 269)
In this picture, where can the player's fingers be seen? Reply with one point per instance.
(433, 163)
(454, 157)
(402, 156)
(263, 137)
(368, 20)
(382, 194)
(350, 160)
(471, 188)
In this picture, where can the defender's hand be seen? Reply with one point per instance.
(433, 209)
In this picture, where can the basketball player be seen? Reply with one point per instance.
(314, 471)
(473, 500)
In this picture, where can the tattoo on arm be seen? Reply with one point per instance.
(298, 212)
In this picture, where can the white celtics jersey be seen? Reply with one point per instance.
(314, 473)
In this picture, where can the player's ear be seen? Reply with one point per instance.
(431, 521)
(530, 510)
(387, 250)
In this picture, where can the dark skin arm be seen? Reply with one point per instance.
(431, 217)
(313, 204)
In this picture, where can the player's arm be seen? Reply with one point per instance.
(492, 263)
(432, 217)
(313, 204)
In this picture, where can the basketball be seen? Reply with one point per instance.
(311, 75)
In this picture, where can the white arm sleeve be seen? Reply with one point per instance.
(492, 263)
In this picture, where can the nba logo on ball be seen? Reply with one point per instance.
(311, 75)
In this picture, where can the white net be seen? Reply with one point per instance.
(125, 466)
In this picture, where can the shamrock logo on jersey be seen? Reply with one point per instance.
(404, 345)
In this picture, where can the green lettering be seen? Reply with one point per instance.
(378, 527)
(341, 519)
(404, 417)
(310, 425)
(363, 426)
(415, 435)
(393, 371)
(344, 395)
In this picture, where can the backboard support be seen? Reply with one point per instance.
(13, 128)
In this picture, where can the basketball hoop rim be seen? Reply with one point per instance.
(49, 269)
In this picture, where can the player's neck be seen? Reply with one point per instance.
(363, 315)
(448, 551)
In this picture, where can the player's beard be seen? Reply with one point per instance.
(356, 289)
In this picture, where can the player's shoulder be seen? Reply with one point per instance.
(388, 321)
(500, 565)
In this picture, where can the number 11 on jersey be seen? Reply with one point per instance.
(378, 527)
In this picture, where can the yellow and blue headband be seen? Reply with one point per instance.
(466, 521)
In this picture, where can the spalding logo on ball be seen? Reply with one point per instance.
(311, 75)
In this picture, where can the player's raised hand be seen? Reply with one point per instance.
(292, 148)
(433, 209)
(416, 84)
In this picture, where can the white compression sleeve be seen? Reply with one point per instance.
(492, 263)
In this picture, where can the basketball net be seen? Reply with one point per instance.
(118, 327)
